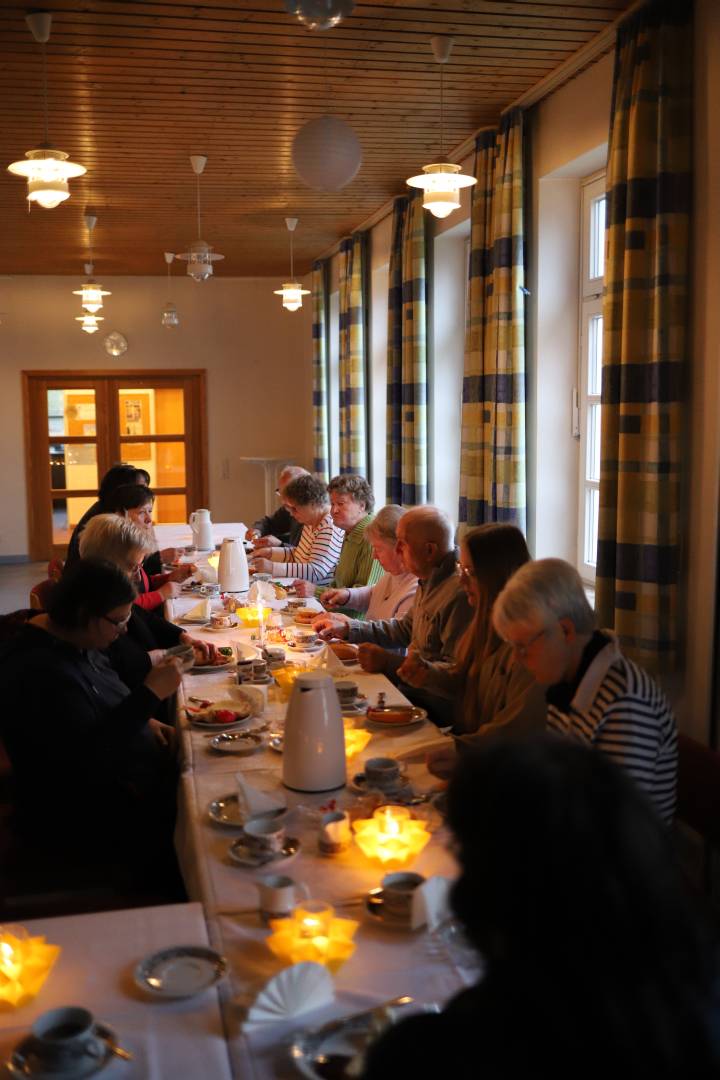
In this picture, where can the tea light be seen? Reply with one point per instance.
(356, 739)
(313, 932)
(261, 622)
(392, 834)
(214, 561)
(25, 963)
(253, 616)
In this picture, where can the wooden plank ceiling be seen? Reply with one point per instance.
(136, 86)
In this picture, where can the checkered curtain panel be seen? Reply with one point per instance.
(353, 419)
(320, 368)
(645, 331)
(492, 453)
(407, 356)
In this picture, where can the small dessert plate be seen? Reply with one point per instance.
(24, 1061)
(226, 812)
(360, 785)
(180, 972)
(207, 669)
(244, 854)
(237, 742)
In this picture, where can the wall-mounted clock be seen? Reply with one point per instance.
(115, 344)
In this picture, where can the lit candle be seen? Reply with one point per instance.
(392, 834)
(313, 932)
(25, 963)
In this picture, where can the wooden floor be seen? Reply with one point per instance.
(16, 582)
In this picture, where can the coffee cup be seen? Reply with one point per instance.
(347, 691)
(259, 670)
(399, 891)
(295, 602)
(383, 772)
(305, 637)
(220, 619)
(335, 834)
(265, 833)
(64, 1036)
(278, 895)
(244, 670)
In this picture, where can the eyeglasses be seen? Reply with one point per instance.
(521, 649)
(119, 624)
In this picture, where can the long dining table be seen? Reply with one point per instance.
(387, 962)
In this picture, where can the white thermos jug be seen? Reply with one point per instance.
(201, 526)
(233, 573)
(314, 741)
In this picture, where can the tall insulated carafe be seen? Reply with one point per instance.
(314, 739)
(233, 573)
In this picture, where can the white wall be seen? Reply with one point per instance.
(259, 376)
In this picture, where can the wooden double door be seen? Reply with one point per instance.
(79, 423)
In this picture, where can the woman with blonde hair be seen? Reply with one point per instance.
(494, 695)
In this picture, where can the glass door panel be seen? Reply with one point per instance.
(170, 508)
(65, 515)
(165, 461)
(74, 466)
(71, 412)
(151, 411)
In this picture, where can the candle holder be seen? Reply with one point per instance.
(313, 932)
(391, 835)
(253, 616)
(25, 963)
(356, 739)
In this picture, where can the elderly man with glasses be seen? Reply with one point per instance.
(279, 529)
(594, 693)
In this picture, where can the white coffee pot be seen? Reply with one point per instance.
(233, 575)
(314, 740)
(202, 533)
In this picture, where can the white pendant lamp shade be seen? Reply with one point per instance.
(91, 292)
(89, 323)
(169, 316)
(441, 184)
(200, 257)
(326, 153)
(292, 291)
(46, 170)
(319, 14)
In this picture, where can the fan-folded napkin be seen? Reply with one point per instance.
(253, 801)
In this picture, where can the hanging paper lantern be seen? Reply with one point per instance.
(326, 153)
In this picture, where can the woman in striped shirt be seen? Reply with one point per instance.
(318, 551)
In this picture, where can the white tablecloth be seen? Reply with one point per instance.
(169, 1040)
(179, 534)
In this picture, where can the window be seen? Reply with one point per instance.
(592, 253)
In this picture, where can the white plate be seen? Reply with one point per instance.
(204, 725)
(226, 811)
(237, 742)
(180, 972)
(207, 669)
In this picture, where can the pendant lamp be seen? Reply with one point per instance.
(89, 323)
(442, 181)
(319, 14)
(91, 292)
(292, 291)
(46, 170)
(200, 257)
(169, 316)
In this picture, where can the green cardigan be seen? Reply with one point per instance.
(356, 565)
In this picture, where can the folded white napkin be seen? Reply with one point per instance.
(253, 801)
(294, 990)
(199, 613)
(431, 903)
(261, 592)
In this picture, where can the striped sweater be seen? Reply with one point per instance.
(316, 555)
(617, 708)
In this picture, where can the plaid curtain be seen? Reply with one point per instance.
(645, 327)
(492, 453)
(407, 447)
(320, 368)
(353, 307)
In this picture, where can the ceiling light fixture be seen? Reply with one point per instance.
(319, 14)
(199, 258)
(442, 181)
(169, 316)
(46, 170)
(89, 322)
(91, 292)
(292, 291)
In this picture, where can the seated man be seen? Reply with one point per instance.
(279, 529)
(351, 505)
(437, 619)
(594, 693)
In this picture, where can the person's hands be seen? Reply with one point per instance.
(442, 762)
(183, 572)
(333, 598)
(262, 566)
(169, 590)
(372, 658)
(304, 588)
(270, 541)
(164, 678)
(156, 655)
(331, 626)
(252, 535)
(413, 670)
(204, 651)
(163, 733)
(171, 555)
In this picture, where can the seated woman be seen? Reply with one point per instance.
(135, 502)
(493, 694)
(394, 593)
(315, 557)
(122, 543)
(598, 962)
(116, 476)
(86, 766)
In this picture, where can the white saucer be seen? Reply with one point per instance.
(244, 854)
(221, 629)
(359, 786)
(207, 669)
(237, 742)
(23, 1062)
(180, 972)
(226, 811)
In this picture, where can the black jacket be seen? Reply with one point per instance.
(281, 524)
